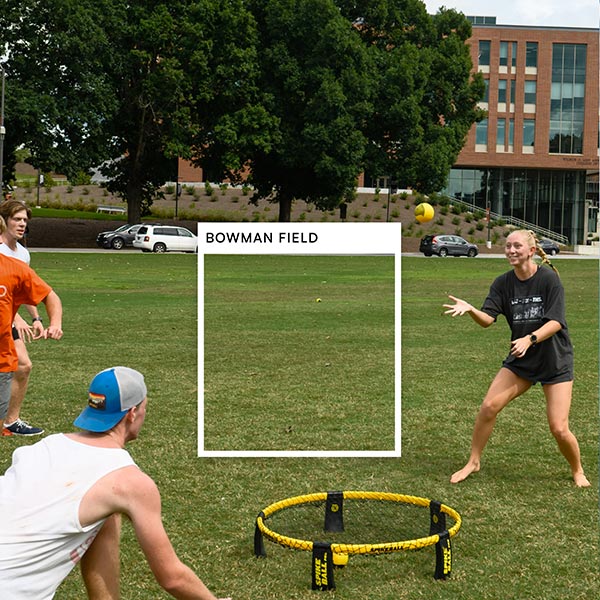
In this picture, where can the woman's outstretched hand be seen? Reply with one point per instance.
(459, 308)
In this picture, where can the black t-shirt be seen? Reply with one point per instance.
(527, 305)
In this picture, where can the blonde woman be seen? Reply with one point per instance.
(531, 297)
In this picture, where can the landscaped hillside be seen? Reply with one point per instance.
(224, 203)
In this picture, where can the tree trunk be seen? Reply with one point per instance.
(134, 203)
(285, 208)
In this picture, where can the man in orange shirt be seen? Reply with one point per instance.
(21, 285)
(16, 217)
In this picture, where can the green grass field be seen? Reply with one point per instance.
(299, 353)
(527, 532)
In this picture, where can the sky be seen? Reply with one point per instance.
(562, 13)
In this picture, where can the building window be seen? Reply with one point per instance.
(484, 53)
(511, 133)
(503, 54)
(530, 92)
(501, 133)
(486, 93)
(513, 90)
(513, 54)
(528, 132)
(531, 54)
(502, 91)
(567, 98)
(481, 133)
(548, 199)
(478, 20)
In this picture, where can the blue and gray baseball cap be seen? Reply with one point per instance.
(111, 394)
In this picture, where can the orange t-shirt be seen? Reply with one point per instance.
(18, 285)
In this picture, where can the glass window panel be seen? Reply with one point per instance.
(530, 92)
(557, 59)
(484, 52)
(528, 132)
(454, 188)
(580, 63)
(468, 185)
(513, 57)
(568, 98)
(569, 61)
(503, 54)
(502, 90)
(555, 136)
(531, 53)
(513, 90)
(501, 132)
(481, 132)
(567, 90)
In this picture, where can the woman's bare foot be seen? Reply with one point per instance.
(580, 479)
(470, 467)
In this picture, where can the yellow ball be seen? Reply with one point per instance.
(317, 299)
(340, 560)
(424, 212)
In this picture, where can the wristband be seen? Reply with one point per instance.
(36, 319)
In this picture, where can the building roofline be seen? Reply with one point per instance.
(489, 22)
(540, 27)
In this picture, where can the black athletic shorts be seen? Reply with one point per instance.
(567, 375)
(15, 333)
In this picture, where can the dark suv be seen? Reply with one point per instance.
(119, 238)
(549, 246)
(447, 245)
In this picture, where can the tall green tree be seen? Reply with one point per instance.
(57, 93)
(425, 96)
(185, 80)
(315, 80)
(132, 84)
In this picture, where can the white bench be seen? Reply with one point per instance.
(111, 209)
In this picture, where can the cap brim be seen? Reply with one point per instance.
(92, 419)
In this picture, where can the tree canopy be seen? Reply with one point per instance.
(297, 96)
(315, 78)
(425, 97)
(131, 85)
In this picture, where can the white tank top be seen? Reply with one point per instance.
(21, 253)
(41, 539)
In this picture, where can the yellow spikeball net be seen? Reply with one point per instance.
(356, 522)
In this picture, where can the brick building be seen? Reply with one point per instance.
(531, 158)
(537, 152)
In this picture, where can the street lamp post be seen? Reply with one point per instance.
(390, 183)
(488, 210)
(2, 134)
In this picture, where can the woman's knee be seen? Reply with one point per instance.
(490, 408)
(559, 429)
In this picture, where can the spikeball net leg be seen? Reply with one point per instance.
(328, 553)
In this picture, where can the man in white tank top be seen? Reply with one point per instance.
(65, 495)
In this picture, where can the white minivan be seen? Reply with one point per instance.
(165, 238)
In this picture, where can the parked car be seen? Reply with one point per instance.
(549, 246)
(163, 238)
(447, 245)
(119, 238)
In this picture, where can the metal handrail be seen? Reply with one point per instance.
(540, 231)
